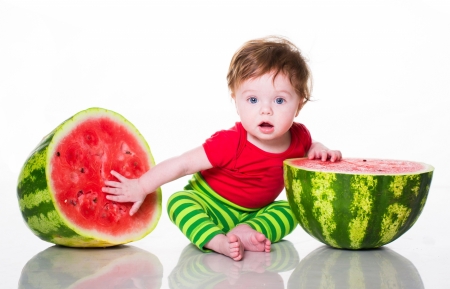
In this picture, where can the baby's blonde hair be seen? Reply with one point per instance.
(272, 54)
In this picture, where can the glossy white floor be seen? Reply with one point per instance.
(164, 259)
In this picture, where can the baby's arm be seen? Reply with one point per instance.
(135, 190)
(319, 151)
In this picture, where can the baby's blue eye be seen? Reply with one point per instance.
(253, 100)
(279, 100)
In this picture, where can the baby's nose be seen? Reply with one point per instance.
(266, 109)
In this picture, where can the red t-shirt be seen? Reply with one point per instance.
(243, 173)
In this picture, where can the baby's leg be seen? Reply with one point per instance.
(229, 245)
(266, 226)
(187, 211)
(251, 239)
(192, 214)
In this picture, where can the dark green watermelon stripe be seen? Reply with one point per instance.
(34, 170)
(33, 196)
(41, 207)
(423, 195)
(32, 189)
(397, 216)
(35, 182)
(44, 142)
(411, 203)
(48, 225)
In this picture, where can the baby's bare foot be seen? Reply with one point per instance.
(251, 239)
(229, 245)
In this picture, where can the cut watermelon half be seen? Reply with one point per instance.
(60, 186)
(356, 203)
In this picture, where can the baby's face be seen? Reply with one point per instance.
(267, 108)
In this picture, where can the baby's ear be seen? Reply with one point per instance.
(300, 105)
(235, 106)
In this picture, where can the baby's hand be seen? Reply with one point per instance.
(126, 190)
(319, 151)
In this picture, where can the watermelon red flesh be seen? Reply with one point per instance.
(356, 203)
(59, 187)
(362, 166)
(80, 166)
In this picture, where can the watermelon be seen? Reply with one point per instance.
(60, 185)
(356, 203)
(326, 267)
(114, 267)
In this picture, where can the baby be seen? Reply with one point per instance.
(229, 204)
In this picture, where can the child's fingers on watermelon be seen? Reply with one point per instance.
(335, 155)
(110, 190)
(318, 154)
(113, 184)
(323, 155)
(118, 176)
(130, 192)
(135, 207)
(117, 198)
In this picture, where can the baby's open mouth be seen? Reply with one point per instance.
(265, 124)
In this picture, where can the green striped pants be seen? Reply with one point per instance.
(201, 214)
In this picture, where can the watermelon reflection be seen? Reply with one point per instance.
(115, 267)
(196, 269)
(332, 268)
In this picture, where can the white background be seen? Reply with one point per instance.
(380, 68)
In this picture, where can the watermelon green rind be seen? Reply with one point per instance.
(35, 198)
(356, 211)
(37, 202)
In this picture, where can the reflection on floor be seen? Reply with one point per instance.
(115, 267)
(326, 267)
(132, 267)
(257, 270)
